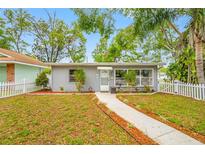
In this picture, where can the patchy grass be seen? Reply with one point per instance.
(68, 119)
(183, 111)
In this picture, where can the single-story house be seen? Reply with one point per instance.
(102, 76)
(15, 67)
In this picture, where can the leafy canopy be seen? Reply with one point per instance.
(17, 25)
(54, 40)
(95, 21)
(4, 39)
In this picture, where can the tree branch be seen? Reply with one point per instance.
(175, 28)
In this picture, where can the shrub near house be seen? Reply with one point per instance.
(79, 78)
(130, 77)
(42, 80)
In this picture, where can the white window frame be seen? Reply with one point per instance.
(115, 76)
(152, 85)
(140, 77)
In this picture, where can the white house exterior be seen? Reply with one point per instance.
(102, 76)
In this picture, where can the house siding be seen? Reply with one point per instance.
(26, 72)
(60, 77)
(3, 73)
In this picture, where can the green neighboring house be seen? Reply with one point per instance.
(15, 67)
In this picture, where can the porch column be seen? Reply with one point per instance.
(10, 72)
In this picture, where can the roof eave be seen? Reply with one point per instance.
(104, 64)
(17, 62)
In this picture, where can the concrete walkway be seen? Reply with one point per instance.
(156, 130)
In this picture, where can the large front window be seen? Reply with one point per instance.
(143, 77)
(120, 77)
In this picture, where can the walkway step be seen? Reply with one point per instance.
(156, 130)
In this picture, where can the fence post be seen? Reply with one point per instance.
(176, 86)
(24, 85)
(201, 94)
(202, 88)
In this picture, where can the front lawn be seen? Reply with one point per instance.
(180, 110)
(68, 119)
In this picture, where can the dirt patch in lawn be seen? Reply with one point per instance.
(139, 136)
(189, 132)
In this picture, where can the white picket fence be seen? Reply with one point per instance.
(196, 91)
(8, 89)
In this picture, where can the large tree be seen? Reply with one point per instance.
(183, 68)
(99, 21)
(196, 34)
(17, 25)
(122, 48)
(95, 21)
(4, 39)
(76, 44)
(54, 40)
(126, 46)
(101, 53)
(129, 44)
(147, 21)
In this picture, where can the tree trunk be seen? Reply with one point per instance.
(199, 59)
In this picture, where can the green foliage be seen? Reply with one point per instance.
(124, 45)
(54, 40)
(130, 77)
(49, 40)
(149, 20)
(42, 80)
(47, 71)
(76, 46)
(147, 88)
(181, 110)
(79, 78)
(196, 38)
(95, 20)
(163, 70)
(18, 24)
(184, 68)
(157, 30)
(122, 48)
(4, 39)
(101, 53)
(62, 89)
(24, 133)
(152, 37)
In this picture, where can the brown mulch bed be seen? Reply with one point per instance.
(189, 132)
(49, 92)
(139, 136)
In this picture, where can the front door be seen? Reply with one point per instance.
(104, 80)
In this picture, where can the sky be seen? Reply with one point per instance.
(68, 16)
